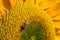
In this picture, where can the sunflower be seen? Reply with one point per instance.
(52, 7)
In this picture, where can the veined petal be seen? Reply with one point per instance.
(2, 9)
(54, 10)
(6, 4)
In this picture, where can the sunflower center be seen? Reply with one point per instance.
(33, 38)
(34, 31)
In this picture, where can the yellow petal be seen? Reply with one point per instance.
(57, 18)
(14, 2)
(54, 10)
(57, 38)
(47, 3)
(37, 2)
(6, 4)
(57, 24)
(29, 1)
(2, 9)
